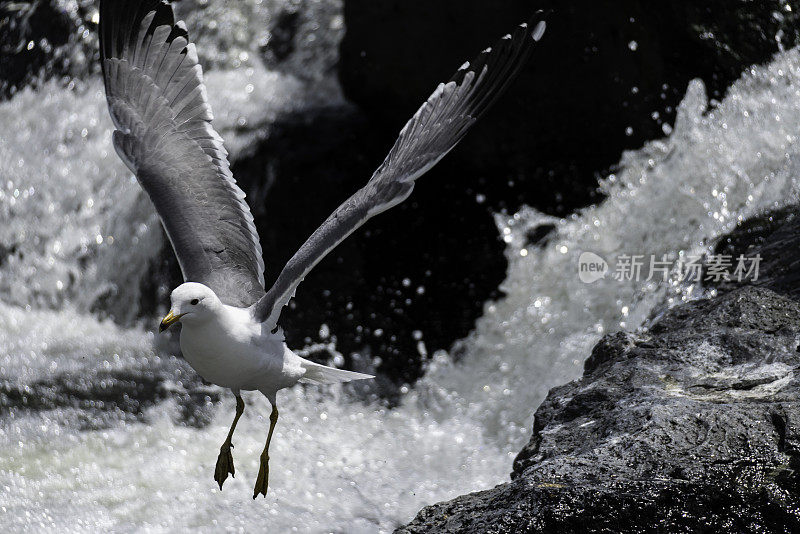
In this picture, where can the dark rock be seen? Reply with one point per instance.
(6, 251)
(42, 39)
(121, 393)
(602, 67)
(775, 238)
(282, 38)
(540, 236)
(693, 426)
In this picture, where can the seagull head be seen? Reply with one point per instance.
(191, 303)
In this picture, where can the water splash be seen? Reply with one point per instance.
(79, 229)
(672, 198)
(339, 465)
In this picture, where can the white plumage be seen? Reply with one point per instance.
(226, 346)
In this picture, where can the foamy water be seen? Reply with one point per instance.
(81, 228)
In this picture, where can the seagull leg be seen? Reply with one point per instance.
(225, 458)
(262, 481)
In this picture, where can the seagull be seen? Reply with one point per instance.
(157, 101)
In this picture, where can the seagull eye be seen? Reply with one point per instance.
(195, 302)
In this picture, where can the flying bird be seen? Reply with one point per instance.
(157, 100)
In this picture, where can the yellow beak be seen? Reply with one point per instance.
(169, 320)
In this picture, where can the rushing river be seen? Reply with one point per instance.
(80, 232)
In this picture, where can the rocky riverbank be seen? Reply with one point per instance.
(692, 425)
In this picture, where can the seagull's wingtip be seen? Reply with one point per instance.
(538, 31)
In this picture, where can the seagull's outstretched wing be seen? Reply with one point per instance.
(155, 92)
(431, 133)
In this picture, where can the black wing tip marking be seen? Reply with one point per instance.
(521, 41)
(121, 20)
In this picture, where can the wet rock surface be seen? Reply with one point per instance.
(103, 397)
(691, 426)
(773, 237)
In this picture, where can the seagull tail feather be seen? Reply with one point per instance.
(322, 374)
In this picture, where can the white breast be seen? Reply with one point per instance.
(232, 351)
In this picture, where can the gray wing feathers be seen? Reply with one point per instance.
(434, 130)
(157, 100)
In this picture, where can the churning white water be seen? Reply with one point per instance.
(79, 227)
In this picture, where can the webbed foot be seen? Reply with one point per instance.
(262, 480)
(224, 464)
